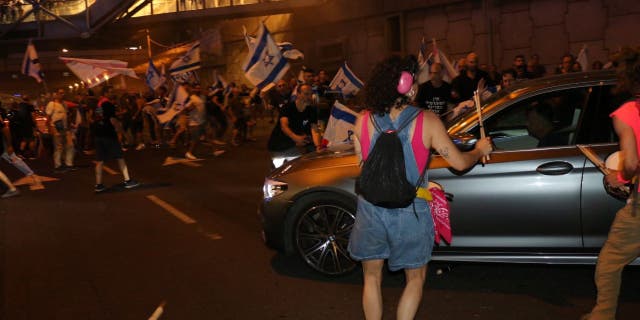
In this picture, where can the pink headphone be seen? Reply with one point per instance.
(405, 82)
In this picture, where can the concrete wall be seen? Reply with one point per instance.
(356, 31)
(496, 30)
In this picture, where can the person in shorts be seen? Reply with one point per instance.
(403, 236)
(106, 140)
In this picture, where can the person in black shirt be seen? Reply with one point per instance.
(106, 140)
(435, 94)
(24, 132)
(296, 131)
(466, 83)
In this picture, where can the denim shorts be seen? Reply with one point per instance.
(394, 234)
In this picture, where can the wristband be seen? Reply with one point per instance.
(621, 178)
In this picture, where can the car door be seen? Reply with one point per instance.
(528, 194)
(597, 207)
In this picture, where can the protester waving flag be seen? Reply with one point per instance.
(153, 77)
(265, 64)
(346, 82)
(177, 101)
(31, 63)
(340, 126)
(437, 56)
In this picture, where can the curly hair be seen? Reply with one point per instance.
(627, 63)
(380, 90)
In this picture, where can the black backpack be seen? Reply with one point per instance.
(383, 179)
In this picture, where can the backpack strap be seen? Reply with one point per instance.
(365, 140)
(419, 151)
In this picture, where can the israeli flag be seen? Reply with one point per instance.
(31, 63)
(289, 52)
(153, 77)
(340, 126)
(346, 82)
(583, 58)
(188, 62)
(264, 64)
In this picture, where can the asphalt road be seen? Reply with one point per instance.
(189, 237)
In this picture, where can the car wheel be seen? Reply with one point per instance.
(321, 233)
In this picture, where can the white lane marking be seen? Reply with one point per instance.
(168, 161)
(158, 312)
(171, 209)
(213, 236)
(108, 170)
(29, 181)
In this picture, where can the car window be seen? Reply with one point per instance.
(596, 125)
(544, 120)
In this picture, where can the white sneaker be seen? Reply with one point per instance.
(190, 156)
(218, 152)
(218, 142)
(140, 147)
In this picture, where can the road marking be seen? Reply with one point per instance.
(158, 312)
(29, 181)
(171, 161)
(108, 170)
(213, 236)
(171, 209)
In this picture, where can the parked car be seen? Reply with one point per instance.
(537, 200)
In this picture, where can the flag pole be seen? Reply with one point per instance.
(44, 84)
(476, 100)
(148, 44)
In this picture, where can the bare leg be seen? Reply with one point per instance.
(99, 165)
(124, 169)
(412, 294)
(6, 181)
(372, 293)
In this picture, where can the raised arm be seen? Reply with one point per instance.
(435, 136)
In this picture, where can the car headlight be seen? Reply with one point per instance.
(272, 188)
(278, 161)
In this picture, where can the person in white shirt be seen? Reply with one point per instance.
(197, 113)
(56, 111)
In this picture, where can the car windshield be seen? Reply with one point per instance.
(449, 122)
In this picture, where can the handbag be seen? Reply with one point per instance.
(440, 211)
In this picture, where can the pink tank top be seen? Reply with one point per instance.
(419, 151)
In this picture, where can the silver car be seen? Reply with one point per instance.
(537, 200)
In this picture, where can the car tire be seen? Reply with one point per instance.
(321, 228)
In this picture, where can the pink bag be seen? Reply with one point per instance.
(440, 212)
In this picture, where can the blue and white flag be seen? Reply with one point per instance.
(340, 126)
(346, 82)
(179, 98)
(286, 48)
(153, 77)
(422, 53)
(436, 56)
(289, 52)
(264, 64)
(583, 58)
(190, 61)
(31, 63)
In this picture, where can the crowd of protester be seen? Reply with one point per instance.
(450, 99)
(222, 115)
